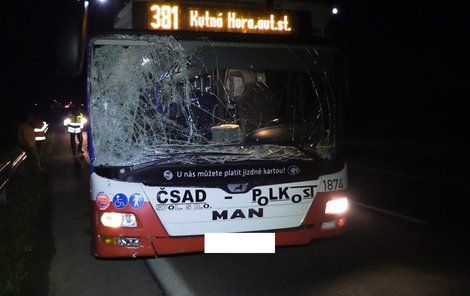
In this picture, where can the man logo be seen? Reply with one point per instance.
(237, 188)
(293, 170)
(168, 175)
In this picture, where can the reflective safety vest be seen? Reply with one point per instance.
(40, 132)
(75, 123)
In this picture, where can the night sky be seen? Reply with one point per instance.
(407, 65)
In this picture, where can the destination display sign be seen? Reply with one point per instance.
(203, 18)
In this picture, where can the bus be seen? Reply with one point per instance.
(210, 118)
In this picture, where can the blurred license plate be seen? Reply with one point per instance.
(216, 243)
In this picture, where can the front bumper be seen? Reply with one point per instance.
(154, 240)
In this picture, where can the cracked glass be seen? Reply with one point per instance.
(163, 100)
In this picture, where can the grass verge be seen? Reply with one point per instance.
(19, 223)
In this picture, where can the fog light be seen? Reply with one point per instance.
(337, 206)
(116, 220)
(333, 224)
(328, 225)
(120, 241)
(129, 241)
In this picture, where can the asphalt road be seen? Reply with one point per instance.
(73, 270)
(406, 236)
(379, 255)
(390, 248)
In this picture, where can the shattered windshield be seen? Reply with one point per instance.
(157, 98)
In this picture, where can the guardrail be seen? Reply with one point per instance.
(7, 170)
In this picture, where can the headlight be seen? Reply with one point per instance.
(116, 220)
(337, 206)
(67, 121)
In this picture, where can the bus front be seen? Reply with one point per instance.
(190, 137)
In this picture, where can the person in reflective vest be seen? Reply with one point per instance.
(40, 129)
(28, 144)
(75, 123)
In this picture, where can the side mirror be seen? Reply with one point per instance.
(71, 45)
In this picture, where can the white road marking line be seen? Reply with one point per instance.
(390, 213)
(171, 280)
(403, 175)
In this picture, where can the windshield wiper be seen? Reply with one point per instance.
(166, 156)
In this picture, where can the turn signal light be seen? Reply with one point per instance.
(109, 240)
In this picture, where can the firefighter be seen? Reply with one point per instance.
(75, 123)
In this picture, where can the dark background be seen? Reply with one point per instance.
(408, 67)
(406, 64)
